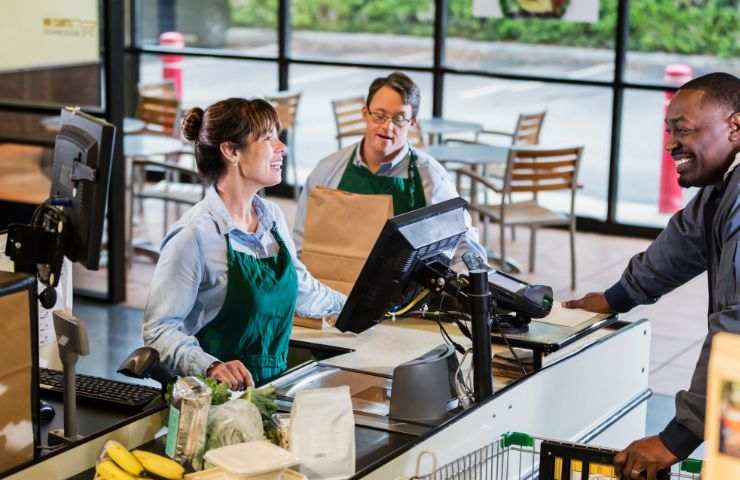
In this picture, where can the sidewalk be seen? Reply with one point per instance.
(459, 50)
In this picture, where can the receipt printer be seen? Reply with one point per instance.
(423, 389)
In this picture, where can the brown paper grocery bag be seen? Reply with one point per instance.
(16, 387)
(722, 420)
(341, 229)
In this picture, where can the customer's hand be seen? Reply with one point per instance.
(643, 458)
(593, 302)
(234, 373)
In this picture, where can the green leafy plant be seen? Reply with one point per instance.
(219, 391)
(264, 399)
(707, 27)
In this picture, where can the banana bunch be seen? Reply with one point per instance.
(158, 465)
(120, 464)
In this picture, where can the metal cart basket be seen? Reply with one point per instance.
(518, 456)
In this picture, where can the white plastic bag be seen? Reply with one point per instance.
(235, 421)
(322, 433)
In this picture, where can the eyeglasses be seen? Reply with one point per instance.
(380, 118)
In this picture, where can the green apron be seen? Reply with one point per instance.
(255, 320)
(408, 193)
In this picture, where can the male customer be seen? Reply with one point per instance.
(703, 121)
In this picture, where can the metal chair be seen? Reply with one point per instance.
(161, 114)
(286, 105)
(348, 118)
(529, 170)
(350, 123)
(163, 89)
(162, 117)
(180, 185)
(527, 132)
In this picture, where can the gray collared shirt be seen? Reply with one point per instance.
(689, 246)
(189, 283)
(436, 181)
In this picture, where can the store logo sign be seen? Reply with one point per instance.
(69, 26)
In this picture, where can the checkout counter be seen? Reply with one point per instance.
(588, 380)
(591, 389)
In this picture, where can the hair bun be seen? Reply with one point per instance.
(192, 123)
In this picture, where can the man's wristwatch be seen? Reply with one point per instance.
(211, 366)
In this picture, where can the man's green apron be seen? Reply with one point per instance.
(408, 193)
(255, 320)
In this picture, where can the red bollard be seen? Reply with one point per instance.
(670, 199)
(172, 64)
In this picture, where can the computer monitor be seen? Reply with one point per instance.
(406, 243)
(70, 222)
(82, 158)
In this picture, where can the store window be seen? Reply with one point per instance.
(575, 116)
(648, 196)
(534, 45)
(702, 35)
(245, 26)
(376, 31)
(207, 80)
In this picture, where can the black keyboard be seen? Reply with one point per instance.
(100, 390)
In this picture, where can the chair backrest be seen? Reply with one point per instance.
(163, 89)
(348, 118)
(538, 169)
(160, 114)
(287, 108)
(528, 128)
(416, 137)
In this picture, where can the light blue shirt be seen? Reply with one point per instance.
(189, 284)
(438, 187)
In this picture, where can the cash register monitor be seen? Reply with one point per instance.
(82, 157)
(405, 243)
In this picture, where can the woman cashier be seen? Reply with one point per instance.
(228, 282)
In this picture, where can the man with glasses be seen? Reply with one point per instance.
(383, 162)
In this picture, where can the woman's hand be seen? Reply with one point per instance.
(233, 373)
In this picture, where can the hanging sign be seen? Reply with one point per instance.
(568, 10)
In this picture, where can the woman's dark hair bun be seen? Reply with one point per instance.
(192, 124)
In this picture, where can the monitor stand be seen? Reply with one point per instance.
(72, 340)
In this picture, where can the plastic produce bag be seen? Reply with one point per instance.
(186, 427)
(236, 421)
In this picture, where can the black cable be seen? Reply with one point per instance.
(519, 363)
(443, 331)
(457, 317)
(37, 213)
(464, 328)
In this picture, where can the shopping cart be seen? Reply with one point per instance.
(518, 456)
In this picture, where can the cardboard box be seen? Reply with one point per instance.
(722, 422)
(19, 426)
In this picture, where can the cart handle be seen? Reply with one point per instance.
(516, 438)
(691, 465)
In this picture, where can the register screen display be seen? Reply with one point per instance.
(505, 282)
